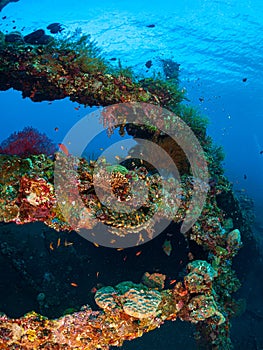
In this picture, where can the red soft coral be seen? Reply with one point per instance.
(26, 142)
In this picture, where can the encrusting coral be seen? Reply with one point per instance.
(122, 306)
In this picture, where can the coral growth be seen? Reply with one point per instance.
(128, 311)
(27, 142)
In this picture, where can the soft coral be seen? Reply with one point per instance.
(26, 142)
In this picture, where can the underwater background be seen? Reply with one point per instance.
(219, 48)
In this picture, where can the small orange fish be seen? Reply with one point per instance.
(172, 282)
(138, 253)
(73, 284)
(63, 149)
(141, 239)
(119, 249)
(96, 244)
(183, 293)
(58, 242)
(33, 92)
(118, 158)
(51, 247)
(77, 108)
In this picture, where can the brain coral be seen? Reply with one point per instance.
(140, 303)
(104, 298)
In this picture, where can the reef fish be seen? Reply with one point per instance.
(38, 37)
(63, 149)
(148, 64)
(55, 28)
(167, 247)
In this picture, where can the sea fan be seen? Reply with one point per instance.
(27, 142)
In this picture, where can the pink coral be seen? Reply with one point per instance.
(27, 142)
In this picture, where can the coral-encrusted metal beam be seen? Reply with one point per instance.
(129, 311)
(51, 73)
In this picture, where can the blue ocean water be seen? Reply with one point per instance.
(218, 45)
